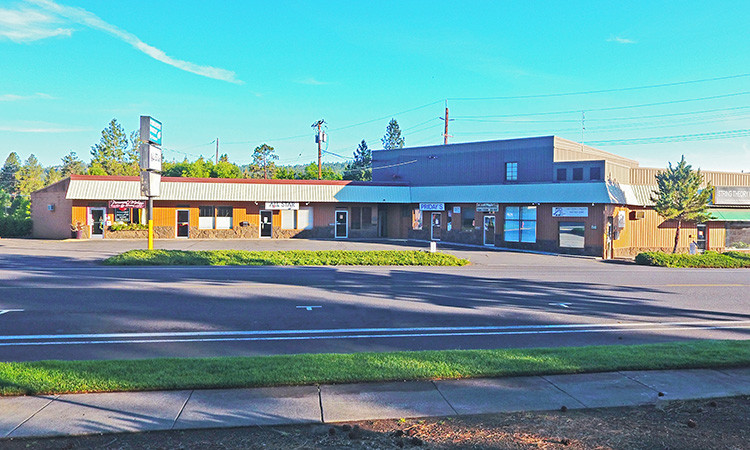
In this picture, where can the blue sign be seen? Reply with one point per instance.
(150, 130)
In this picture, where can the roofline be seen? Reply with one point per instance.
(551, 136)
(243, 181)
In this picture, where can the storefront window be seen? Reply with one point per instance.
(467, 218)
(122, 215)
(206, 217)
(301, 219)
(356, 218)
(571, 234)
(224, 218)
(520, 224)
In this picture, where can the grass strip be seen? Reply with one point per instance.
(728, 260)
(283, 258)
(50, 377)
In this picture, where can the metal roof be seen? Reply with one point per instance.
(99, 189)
(515, 193)
(730, 215)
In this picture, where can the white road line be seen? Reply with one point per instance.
(309, 308)
(362, 336)
(357, 333)
(5, 311)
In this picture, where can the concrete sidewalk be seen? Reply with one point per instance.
(77, 414)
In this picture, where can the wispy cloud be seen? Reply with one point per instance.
(620, 40)
(25, 24)
(312, 82)
(40, 127)
(16, 97)
(86, 18)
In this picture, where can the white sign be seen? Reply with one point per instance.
(282, 205)
(488, 207)
(732, 195)
(432, 206)
(577, 211)
(150, 184)
(621, 219)
(125, 204)
(457, 210)
(150, 130)
(150, 157)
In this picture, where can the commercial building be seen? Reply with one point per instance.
(543, 193)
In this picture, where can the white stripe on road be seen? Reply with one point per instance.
(356, 333)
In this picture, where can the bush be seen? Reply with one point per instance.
(14, 227)
(128, 227)
(706, 259)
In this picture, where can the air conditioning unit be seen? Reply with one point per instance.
(635, 215)
(51, 207)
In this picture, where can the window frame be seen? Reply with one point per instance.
(515, 225)
(571, 225)
(576, 171)
(598, 173)
(202, 218)
(562, 171)
(511, 171)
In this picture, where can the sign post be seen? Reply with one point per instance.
(150, 163)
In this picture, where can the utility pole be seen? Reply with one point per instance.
(320, 137)
(217, 150)
(446, 119)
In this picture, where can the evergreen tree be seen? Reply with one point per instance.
(263, 165)
(327, 173)
(111, 154)
(72, 165)
(30, 176)
(392, 139)
(8, 181)
(285, 173)
(361, 168)
(52, 175)
(680, 198)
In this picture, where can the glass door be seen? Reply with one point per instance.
(98, 221)
(435, 226)
(702, 238)
(489, 230)
(183, 223)
(342, 224)
(266, 224)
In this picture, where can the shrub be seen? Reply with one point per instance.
(14, 227)
(128, 226)
(706, 259)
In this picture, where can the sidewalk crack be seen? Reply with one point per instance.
(179, 413)
(446, 400)
(55, 397)
(638, 381)
(564, 392)
(320, 403)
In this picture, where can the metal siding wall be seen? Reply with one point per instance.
(647, 175)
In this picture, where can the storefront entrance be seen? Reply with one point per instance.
(435, 226)
(702, 239)
(266, 224)
(489, 230)
(98, 221)
(342, 224)
(183, 223)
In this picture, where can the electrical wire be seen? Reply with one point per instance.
(728, 134)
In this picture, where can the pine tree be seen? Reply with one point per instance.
(679, 196)
(392, 139)
(52, 175)
(8, 181)
(30, 176)
(72, 165)
(111, 155)
(263, 165)
(361, 168)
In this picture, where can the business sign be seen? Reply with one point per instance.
(150, 184)
(150, 157)
(732, 195)
(488, 207)
(150, 130)
(570, 211)
(126, 204)
(432, 206)
(282, 205)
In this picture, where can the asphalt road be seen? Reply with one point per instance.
(56, 302)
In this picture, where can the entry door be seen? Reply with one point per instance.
(702, 239)
(266, 224)
(342, 224)
(435, 226)
(609, 251)
(382, 222)
(98, 221)
(489, 230)
(183, 223)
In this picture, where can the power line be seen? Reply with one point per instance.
(385, 117)
(610, 108)
(601, 91)
(678, 138)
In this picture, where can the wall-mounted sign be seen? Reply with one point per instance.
(282, 205)
(456, 210)
(432, 206)
(125, 204)
(150, 157)
(488, 207)
(732, 195)
(416, 219)
(570, 211)
(150, 130)
(621, 219)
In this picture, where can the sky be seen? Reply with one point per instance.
(652, 80)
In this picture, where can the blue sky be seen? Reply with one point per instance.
(255, 72)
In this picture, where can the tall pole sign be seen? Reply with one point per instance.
(150, 163)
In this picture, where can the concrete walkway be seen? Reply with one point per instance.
(77, 414)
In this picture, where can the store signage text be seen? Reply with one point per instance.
(432, 206)
(488, 207)
(125, 204)
(570, 211)
(282, 205)
(732, 195)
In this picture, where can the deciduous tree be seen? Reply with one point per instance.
(679, 196)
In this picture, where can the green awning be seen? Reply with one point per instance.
(730, 215)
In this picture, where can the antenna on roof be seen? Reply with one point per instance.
(583, 126)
